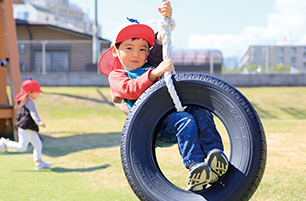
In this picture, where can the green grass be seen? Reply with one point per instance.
(82, 140)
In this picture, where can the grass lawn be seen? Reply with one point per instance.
(82, 140)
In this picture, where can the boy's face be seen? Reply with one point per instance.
(133, 53)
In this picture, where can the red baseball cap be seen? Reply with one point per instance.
(107, 62)
(27, 86)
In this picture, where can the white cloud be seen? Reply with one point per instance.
(286, 25)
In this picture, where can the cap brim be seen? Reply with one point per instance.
(108, 63)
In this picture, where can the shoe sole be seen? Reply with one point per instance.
(43, 168)
(198, 177)
(2, 146)
(218, 162)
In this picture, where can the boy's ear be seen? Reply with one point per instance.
(114, 52)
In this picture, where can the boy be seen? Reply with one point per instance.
(129, 65)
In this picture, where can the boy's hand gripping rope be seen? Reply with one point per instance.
(166, 25)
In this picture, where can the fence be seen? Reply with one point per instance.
(58, 55)
(69, 63)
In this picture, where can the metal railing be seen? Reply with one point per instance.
(58, 55)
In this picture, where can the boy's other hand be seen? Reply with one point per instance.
(165, 9)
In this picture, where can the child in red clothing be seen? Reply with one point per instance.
(129, 65)
(28, 123)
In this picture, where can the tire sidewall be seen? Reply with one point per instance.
(222, 99)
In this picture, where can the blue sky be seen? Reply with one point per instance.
(230, 26)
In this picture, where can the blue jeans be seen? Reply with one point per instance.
(193, 130)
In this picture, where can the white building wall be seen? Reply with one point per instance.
(57, 13)
(20, 9)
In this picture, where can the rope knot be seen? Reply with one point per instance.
(166, 24)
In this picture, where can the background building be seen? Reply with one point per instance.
(202, 61)
(293, 56)
(45, 48)
(55, 12)
(56, 36)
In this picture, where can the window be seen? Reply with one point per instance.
(281, 51)
(59, 61)
(304, 53)
(21, 48)
(23, 15)
(293, 51)
(37, 62)
(293, 61)
(281, 60)
(56, 61)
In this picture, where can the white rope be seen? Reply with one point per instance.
(166, 26)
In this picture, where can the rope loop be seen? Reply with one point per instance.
(172, 92)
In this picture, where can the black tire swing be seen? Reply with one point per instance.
(246, 134)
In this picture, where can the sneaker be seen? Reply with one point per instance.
(2, 144)
(42, 165)
(218, 163)
(199, 176)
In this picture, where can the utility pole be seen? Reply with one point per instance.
(211, 61)
(95, 36)
(267, 59)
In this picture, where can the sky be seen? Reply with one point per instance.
(229, 26)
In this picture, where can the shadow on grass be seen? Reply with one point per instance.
(65, 170)
(104, 98)
(55, 147)
(263, 113)
(298, 114)
(91, 169)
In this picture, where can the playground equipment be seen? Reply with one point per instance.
(247, 138)
(10, 66)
